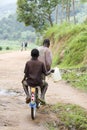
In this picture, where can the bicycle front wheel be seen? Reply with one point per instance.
(33, 113)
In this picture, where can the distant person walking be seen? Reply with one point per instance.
(26, 45)
(22, 46)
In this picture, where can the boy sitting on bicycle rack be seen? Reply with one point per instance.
(34, 69)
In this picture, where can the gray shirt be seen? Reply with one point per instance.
(45, 56)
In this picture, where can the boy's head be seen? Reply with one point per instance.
(46, 42)
(35, 53)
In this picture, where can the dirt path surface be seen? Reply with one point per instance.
(14, 112)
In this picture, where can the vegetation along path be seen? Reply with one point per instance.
(14, 112)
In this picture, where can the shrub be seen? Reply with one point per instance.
(7, 48)
(1, 48)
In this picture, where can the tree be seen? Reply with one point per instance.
(73, 2)
(65, 10)
(56, 14)
(37, 13)
(68, 4)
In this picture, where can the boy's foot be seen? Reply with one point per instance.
(42, 101)
(28, 100)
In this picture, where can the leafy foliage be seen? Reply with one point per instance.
(36, 13)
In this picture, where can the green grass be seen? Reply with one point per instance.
(70, 39)
(77, 80)
(69, 48)
(67, 117)
(7, 46)
(75, 51)
(12, 45)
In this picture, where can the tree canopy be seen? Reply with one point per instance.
(41, 14)
(37, 13)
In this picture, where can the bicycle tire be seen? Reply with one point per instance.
(33, 113)
(37, 103)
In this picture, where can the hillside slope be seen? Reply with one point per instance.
(69, 45)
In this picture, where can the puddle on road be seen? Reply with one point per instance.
(9, 92)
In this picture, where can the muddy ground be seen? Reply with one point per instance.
(14, 112)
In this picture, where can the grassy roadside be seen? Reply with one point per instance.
(66, 117)
(77, 80)
(69, 47)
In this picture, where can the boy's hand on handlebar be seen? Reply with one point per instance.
(52, 70)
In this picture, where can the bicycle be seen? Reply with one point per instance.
(34, 103)
(35, 99)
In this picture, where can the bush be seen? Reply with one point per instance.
(7, 48)
(1, 48)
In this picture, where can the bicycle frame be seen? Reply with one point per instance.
(33, 98)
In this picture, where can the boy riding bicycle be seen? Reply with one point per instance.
(33, 75)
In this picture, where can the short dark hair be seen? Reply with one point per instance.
(46, 42)
(34, 53)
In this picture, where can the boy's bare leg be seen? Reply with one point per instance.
(26, 90)
(25, 87)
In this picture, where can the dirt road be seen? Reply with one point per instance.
(14, 112)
